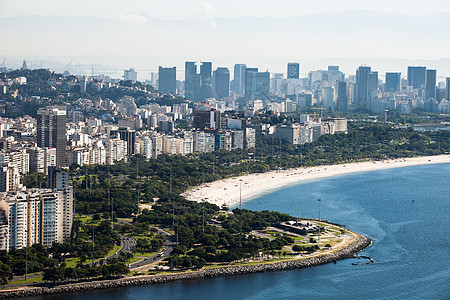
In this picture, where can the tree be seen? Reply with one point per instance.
(6, 273)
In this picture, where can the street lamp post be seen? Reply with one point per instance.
(318, 200)
(240, 193)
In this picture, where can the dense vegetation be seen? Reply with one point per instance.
(205, 235)
(113, 267)
(157, 178)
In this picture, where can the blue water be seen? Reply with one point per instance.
(406, 213)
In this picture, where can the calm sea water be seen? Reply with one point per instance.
(406, 213)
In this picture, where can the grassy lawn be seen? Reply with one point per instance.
(125, 220)
(73, 261)
(134, 259)
(145, 254)
(83, 218)
(29, 280)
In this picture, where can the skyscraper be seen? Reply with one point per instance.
(206, 73)
(58, 181)
(250, 81)
(393, 82)
(430, 85)
(342, 99)
(222, 82)
(257, 84)
(362, 85)
(293, 70)
(51, 132)
(167, 80)
(239, 78)
(416, 76)
(447, 88)
(373, 82)
(191, 81)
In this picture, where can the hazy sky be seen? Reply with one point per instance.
(193, 9)
(125, 33)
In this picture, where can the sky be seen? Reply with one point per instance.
(145, 34)
(195, 9)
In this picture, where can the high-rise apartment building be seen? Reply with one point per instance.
(35, 216)
(222, 82)
(430, 85)
(167, 82)
(416, 76)
(393, 82)
(51, 132)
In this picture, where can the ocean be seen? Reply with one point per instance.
(405, 211)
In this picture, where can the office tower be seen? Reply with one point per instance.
(362, 86)
(130, 74)
(51, 132)
(333, 68)
(373, 82)
(293, 70)
(126, 135)
(239, 78)
(250, 81)
(257, 84)
(430, 85)
(167, 80)
(191, 81)
(416, 76)
(206, 73)
(393, 82)
(207, 119)
(342, 99)
(334, 75)
(222, 82)
(327, 97)
(447, 88)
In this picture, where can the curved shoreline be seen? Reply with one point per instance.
(361, 243)
(229, 191)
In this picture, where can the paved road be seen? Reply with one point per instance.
(168, 247)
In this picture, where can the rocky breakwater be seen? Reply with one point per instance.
(361, 243)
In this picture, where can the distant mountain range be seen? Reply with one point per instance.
(316, 40)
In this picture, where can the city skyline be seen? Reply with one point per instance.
(144, 35)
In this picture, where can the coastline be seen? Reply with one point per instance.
(361, 243)
(229, 191)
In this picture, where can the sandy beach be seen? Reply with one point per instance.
(229, 191)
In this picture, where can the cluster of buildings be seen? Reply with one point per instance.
(308, 129)
(37, 216)
(331, 88)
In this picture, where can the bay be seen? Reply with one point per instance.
(406, 213)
